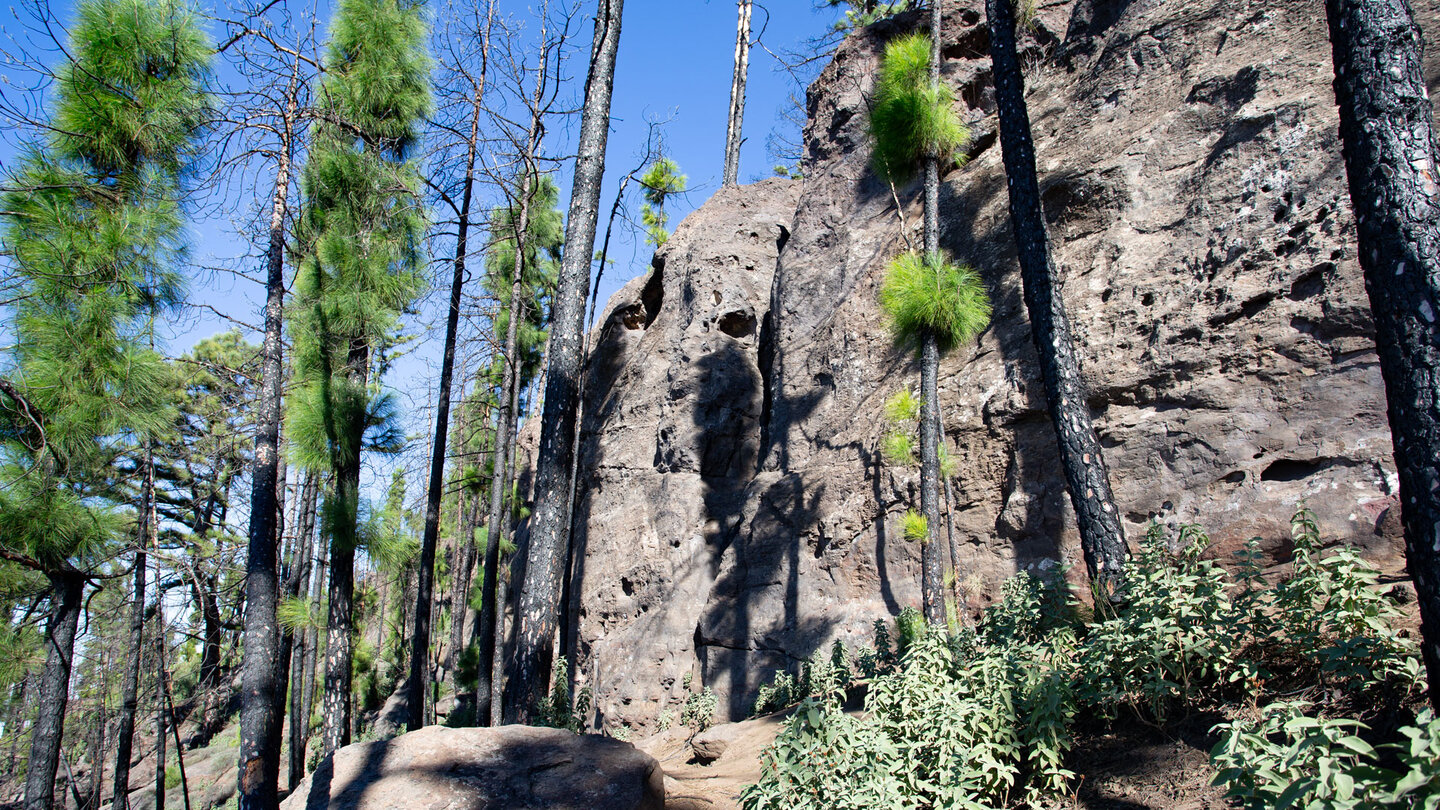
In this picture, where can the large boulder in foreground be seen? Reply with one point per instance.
(509, 768)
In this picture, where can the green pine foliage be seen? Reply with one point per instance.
(914, 527)
(359, 230)
(911, 119)
(662, 179)
(544, 238)
(94, 235)
(934, 294)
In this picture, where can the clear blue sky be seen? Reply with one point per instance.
(674, 64)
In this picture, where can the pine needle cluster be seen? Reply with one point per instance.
(911, 118)
(934, 294)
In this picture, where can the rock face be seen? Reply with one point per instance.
(735, 514)
(504, 768)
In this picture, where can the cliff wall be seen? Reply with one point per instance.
(734, 514)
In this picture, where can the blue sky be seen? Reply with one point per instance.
(674, 64)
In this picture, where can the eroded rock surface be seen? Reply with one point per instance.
(735, 513)
(503, 768)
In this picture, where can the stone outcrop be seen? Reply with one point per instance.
(503, 768)
(735, 514)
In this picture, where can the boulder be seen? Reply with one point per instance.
(505, 768)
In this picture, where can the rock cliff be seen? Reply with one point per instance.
(734, 514)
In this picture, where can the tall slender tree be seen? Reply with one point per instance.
(419, 682)
(93, 230)
(549, 550)
(731, 174)
(1393, 165)
(259, 766)
(1102, 538)
(929, 301)
(359, 233)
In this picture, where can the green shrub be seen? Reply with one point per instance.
(985, 718)
(172, 777)
(699, 709)
(1289, 758)
(1172, 640)
(555, 710)
(932, 294)
(1332, 610)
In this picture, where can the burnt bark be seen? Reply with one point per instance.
(1388, 139)
(1102, 539)
(67, 588)
(932, 578)
(420, 641)
(259, 767)
(730, 176)
(130, 686)
(548, 553)
(299, 711)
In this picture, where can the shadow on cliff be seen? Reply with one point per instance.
(1024, 522)
(753, 626)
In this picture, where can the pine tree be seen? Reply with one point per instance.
(930, 301)
(1392, 163)
(549, 551)
(1102, 538)
(359, 234)
(93, 233)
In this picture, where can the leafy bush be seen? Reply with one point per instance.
(1291, 759)
(957, 724)
(699, 709)
(985, 718)
(1173, 636)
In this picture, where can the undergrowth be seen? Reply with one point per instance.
(985, 718)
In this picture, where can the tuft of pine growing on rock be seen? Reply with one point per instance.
(911, 118)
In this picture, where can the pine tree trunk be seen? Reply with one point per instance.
(67, 589)
(460, 591)
(1392, 162)
(420, 642)
(130, 686)
(314, 646)
(731, 174)
(1102, 539)
(259, 766)
(932, 577)
(162, 719)
(299, 717)
(549, 546)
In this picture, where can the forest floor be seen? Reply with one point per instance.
(1132, 765)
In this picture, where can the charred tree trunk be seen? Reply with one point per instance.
(420, 641)
(259, 762)
(130, 686)
(731, 174)
(162, 713)
(67, 588)
(932, 577)
(339, 634)
(549, 547)
(1102, 538)
(305, 546)
(1393, 164)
